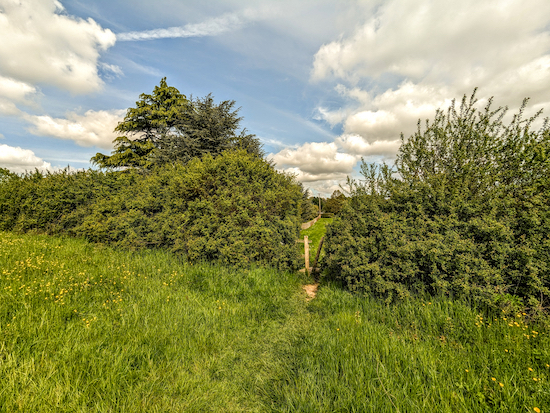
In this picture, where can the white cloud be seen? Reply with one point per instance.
(319, 165)
(15, 90)
(311, 177)
(415, 56)
(357, 145)
(42, 45)
(94, 128)
(210, 27)
(438, 40)
(12, 91)
(19, 160)
(324, 166)
(114, 69)
(316, 158)
(332, 117)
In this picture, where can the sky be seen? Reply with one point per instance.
(322, 83)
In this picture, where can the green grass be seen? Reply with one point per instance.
(360, 355)
(315, 233)
(84, 328)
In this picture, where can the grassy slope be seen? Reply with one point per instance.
(86, 328)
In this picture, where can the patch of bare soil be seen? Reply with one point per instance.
(311, 291)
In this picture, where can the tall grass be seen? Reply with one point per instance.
(361, 355)
(84, 328)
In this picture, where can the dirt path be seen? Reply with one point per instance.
(311, 291)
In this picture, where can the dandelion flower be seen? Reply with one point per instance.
(492, 378)
(501, 385)
(536, 409)
(530, 369)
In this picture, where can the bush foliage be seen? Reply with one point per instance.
(234, 208)
(464, 212)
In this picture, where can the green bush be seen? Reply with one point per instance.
(234, 208)
(237, 209)
(465, 212)
(309, 210)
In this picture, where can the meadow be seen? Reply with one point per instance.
(88, 328)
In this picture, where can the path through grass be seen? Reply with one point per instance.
(315, 233)
(85, 328)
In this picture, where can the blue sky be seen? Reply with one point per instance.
(321, 83)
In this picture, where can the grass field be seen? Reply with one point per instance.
(85, 328)
(314, 234)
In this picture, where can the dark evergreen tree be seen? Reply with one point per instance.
(167, 127)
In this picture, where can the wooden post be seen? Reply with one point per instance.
(318, 253)
(306, 250)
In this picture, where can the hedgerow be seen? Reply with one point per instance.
(234, 208)
(464, 212)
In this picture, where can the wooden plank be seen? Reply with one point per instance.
(318, 252)
(306, 252)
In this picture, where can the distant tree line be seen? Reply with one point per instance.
(331, 206)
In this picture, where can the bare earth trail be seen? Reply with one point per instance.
(311, 290)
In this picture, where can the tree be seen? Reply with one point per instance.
(167, 127)
(315, 201)
(335, 203)
(206, 128)
(145, 126)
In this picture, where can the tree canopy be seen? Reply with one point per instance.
(335, 203)
(167, 127)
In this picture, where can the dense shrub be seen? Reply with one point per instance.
(237, 209)
(234, 208)
(464, 212)
(309, 210)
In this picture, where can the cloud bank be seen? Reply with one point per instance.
(42, 45)
(94, 128)
(410, 58)
(19, 160)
